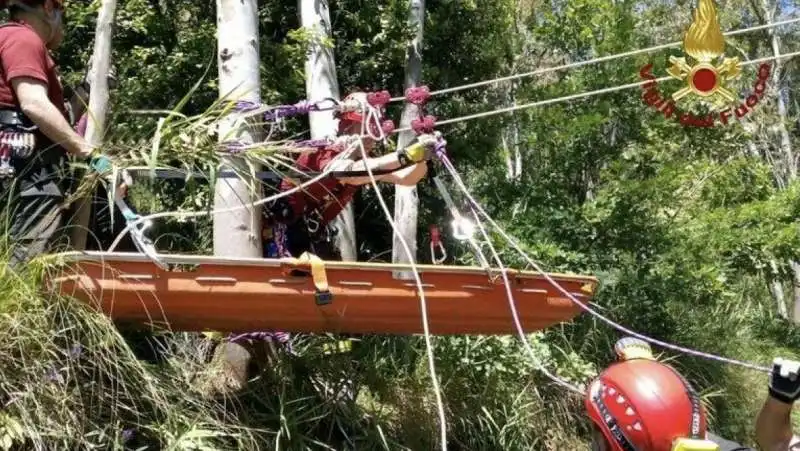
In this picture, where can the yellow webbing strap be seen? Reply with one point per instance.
(318, 276)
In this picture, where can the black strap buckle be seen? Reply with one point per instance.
(323, 297)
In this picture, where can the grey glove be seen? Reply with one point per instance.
(784, 381)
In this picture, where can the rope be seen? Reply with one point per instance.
(592, 61)
(422, 303)
(582, 95)
(448, 165)
(187, 214)
(515, 315)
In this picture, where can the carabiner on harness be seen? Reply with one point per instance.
(436, 243)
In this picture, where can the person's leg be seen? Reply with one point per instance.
(37, 215)
(36, 223)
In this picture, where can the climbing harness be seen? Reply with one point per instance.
(17, 141)
(16, 145)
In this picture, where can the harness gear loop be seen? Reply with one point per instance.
(436, 243)
(322, 295)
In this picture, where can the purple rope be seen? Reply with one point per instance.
(245, 106)
(440, 149)
(313, 143)
(274, 337)
(283, 111)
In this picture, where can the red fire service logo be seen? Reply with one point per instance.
(705, 76)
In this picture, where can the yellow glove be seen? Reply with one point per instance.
(421, 150)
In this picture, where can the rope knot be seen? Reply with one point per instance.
(418, 95)
(424, 124)
(379, 99)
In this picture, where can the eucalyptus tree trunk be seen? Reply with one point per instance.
(788, 161)
(406, 200)
(237, 233)
(321, 82)
(98, 106)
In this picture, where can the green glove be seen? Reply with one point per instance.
(101, 164)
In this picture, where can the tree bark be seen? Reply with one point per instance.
(321, 82)
(98, 107)
(786, 161)
(406, 200)
(776, 289)
(237, 233)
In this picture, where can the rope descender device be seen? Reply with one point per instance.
(436, 244)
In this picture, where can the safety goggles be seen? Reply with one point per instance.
(690, 444)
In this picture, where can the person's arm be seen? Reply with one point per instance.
(25, 63)
(774, 424)
(417, 153)
(385, 162)
(409, 176)
(34, 103)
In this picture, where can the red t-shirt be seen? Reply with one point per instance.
(24, 54)
(328, 193)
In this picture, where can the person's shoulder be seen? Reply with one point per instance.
(14, 33)
(18, 30)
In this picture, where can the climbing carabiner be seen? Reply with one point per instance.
(436, 243)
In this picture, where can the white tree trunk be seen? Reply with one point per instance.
(321, 82)
(236, 233)
(781, 133)
(98, 106)
(776, 289)
(406, 201)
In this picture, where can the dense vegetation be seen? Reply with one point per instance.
(692, 231)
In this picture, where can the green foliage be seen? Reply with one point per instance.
(686, 228)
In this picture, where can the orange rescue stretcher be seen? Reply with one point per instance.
(205, 293)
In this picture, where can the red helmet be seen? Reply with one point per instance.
(644, 405)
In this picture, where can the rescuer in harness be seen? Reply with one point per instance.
(35, 133)
(640, 404)
(301, 222)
